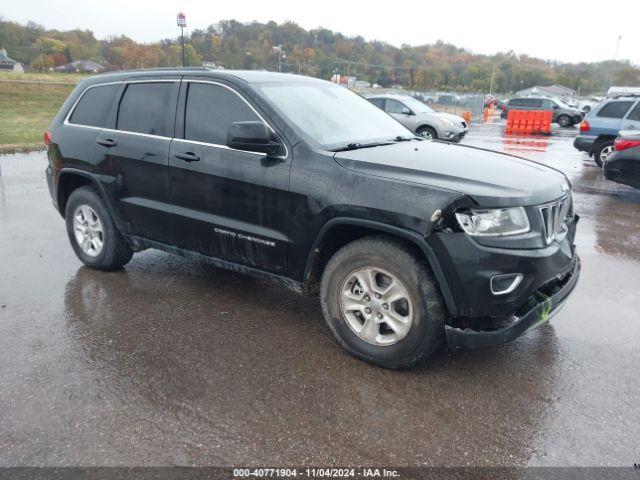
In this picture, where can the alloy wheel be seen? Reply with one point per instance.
(376, 306)
(88, 230)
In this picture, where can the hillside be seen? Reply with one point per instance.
(319, 52)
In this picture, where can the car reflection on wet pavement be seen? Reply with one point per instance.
(172, 362)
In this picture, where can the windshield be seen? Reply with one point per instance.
(416, 105)
(331, 115)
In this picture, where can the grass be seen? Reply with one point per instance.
(26, 109)
(43, 77)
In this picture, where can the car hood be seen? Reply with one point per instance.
(440, 116)
(489, 178)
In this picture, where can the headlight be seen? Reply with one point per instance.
(448, 123)
(496, 221)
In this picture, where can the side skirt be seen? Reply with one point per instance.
(140, 243)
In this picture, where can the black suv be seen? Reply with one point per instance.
(407, 241)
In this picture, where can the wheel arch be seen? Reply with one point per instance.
(337, 232)
(604, 137)
(71, 179)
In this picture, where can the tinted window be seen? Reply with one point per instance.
(635, 113)
(516, 102)
(394, 106)
(548, 104)
(533, 102)
(211, 110)
(378, 102)
(614, 109)
(148, 108)
(94, 106)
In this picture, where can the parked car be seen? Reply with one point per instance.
(588, 104)
(623, 165)
(303, 181)
(420, 118)
(563, 114)
(600, 127)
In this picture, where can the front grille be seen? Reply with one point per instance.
(554, 217)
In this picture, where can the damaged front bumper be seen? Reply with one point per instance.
(544, 304)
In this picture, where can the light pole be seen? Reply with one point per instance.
(615, 55)
(182, 22)
(281, 54)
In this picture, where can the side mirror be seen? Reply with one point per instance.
(253, 136)
(406, 111)
(556, 107)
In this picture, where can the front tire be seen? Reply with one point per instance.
(94, 236)
(564, 121)
(427, 132)
(602, 152)
(382, 303)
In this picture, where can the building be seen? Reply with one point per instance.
(550, 91)
(84, 66)
(10, 64)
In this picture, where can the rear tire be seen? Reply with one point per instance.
(95, 239)
(427, 132)
(602, 151)
(416, 318)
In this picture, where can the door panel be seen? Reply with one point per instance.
(139, 170)
(134, 157)
(229, 204)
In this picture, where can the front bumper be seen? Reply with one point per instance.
(584, 143)
(454, 136)
(543, 308)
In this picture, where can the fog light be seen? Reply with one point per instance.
(503, 284)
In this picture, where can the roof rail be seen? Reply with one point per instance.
(627, 95)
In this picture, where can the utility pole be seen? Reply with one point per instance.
(281, 54)
(615, 55)
(182, 22)
(492, 75)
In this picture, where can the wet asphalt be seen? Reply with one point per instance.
(171, 362)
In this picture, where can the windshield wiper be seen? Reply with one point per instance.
(400, 138)
(357, 146)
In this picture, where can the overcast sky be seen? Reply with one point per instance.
(567, 31)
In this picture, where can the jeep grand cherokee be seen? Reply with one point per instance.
(407, 241)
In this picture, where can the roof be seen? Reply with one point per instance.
(248, 76)
(88, 65)
(4, 58)
(621, 91)
(387, 95)
(551, 90)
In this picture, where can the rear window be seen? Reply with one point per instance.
(614, 109)
(211, 109)
(148, 108)
(94, 106)
(516, 102)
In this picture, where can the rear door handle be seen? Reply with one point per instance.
(107, 142)
(187, 156)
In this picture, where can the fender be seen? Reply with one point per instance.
(97, 183)
(415, 238)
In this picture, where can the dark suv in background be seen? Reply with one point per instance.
(406, 241)
(563, 114)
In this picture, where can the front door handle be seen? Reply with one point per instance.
(187, 156)
(107, 142)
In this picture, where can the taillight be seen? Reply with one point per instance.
(621, 144)
(47, 138)
(584, 126)
(504, 108)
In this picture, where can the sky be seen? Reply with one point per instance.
(573, 31)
